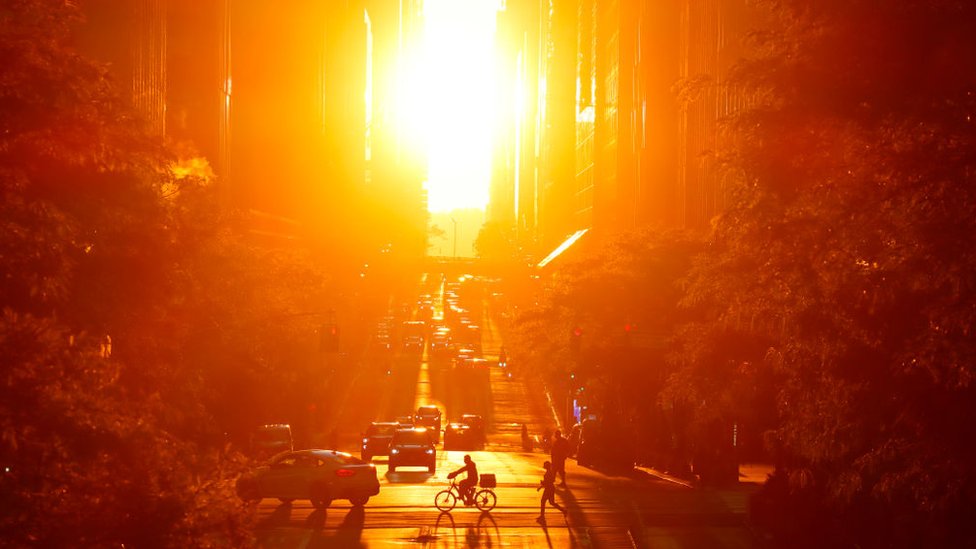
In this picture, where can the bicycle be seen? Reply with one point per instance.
(483, 499)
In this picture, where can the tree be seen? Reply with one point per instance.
(847, 246)
(622, 301)
(496, 242)
(120, 441)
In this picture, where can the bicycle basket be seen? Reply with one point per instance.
(488, 480)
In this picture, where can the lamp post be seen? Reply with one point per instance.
(454, 221)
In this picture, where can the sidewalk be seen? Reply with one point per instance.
(515, 401)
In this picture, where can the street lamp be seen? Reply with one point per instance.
(454, 221)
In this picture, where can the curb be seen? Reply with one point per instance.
(664, 476)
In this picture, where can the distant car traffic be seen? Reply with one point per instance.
(382, 342)
(413, 447)
(462, 354)
(460, 436)
(376, 439)
(440, 345)
(413, 332)
(319, 476)
(477, 425)
(413, 343)
(429, 417)
(404, 422)
(476, 363)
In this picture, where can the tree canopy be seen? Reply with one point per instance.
(832, 305)
(135, 319)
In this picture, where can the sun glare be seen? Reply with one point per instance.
(453, 89)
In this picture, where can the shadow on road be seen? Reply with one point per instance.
(611, 470)
(279, 517)
(644, 476)
(575, 518)
(348, 534)
(408, 477)
(316, 519)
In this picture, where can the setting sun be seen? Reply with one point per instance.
(450, 86)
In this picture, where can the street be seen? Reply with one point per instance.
(640, 509)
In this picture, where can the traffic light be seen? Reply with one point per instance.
(329, 338)
(575, 337)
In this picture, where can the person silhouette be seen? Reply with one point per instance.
(467, 485)
(548, 487)
(559, 453)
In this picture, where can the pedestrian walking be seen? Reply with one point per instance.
(548, 487)
(559, 453)
(526, 441)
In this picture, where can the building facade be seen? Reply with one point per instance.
(293, 109)
(652, 90)
(630, 97)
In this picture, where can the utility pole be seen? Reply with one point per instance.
(454, 221)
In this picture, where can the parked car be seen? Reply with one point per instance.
(588, 448)
(376, 439)
(270, 440)
(412, 447)
(429, 417)
(320, 476)
(604, 445)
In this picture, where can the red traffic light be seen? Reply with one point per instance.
(577, 331)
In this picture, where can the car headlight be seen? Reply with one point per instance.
(430, 451)
(394, 451)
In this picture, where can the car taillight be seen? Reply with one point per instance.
(345, 473)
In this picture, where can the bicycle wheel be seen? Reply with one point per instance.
(445, 500)
(485, 500)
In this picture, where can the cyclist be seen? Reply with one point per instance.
(466, 486)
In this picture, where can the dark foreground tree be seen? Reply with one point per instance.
(126, 302)
(849, 246)
(601, 330)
